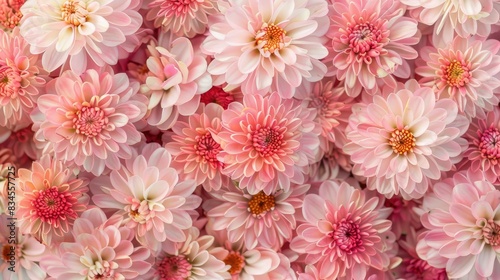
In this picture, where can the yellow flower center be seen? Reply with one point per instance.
(74, 12)
(270, 38)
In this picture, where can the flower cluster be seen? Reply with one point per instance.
(250, 139)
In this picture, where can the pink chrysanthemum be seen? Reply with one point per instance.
(464, 71)
(80, 32)
(22, 256)
(267, 142)
(175, 79)
(450, 17)
(344, 232)
(88, 119)
(257, 220)
(463, 222)
(182, 17)
(195, 151)
(269, 45)
(10, 13)
(146, 191)
(50, 198)
(483, 153)
(101, 249)
(20, 83)
(402, 141)
(370, 42)
(190, 260)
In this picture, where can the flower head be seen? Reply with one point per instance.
(402, 141)
(269, 45)
(50, 199)
(267, 142)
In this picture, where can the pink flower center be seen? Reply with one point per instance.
(208, 149)
(90, 121)
(174, 268)
(236, 261)
(267, 141)
(402, 141)
(491, 234)
(139, 211)
(175, 8)
(217, 95)
(456, 73)
(271, 38)
(489, 144)
(10, 14)
(347, 236)
(365, 39)
(51, 205)
(261, 203)
(74, 12)
(10, 82)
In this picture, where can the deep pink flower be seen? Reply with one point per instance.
(466, 71)
(266, 45)
(88, 119)
(370, 42)
(50, 198)
(147, 193)
(344, 232)
(267, 142)
(10, 13)
(101, 249)
(402, 141)
(195, 151)
(219, 96)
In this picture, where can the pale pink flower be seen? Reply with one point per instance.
(191, 260)
(101, 249)
(466, 72)
(267, 142)
(181, 17)
(88, 119)
(175, 79)
(269, 45)
(50, 198)
(257, 220)
(10, 13)
(462, 225)
(402, 141)
(194, 150)
(483, 153)
(344, 233)
(20, 79)
(147, 192)
(80, 32)
(371, 41)
(20, 252)
(450, 17)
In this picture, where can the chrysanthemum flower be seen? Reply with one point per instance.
(146, 191)
(402, 141)
(257, 220)
(101, 249)
(26, 254)
(450, 17)
(344, 232)
(10, 13)
(175, 79)
(191, 260)
(88, 119)
(50, 198)
(80, 32)
(370, 42)
(20, 83)
(463, 223)
(182, 17)
(195, 151)
(464, 71)
(269, 45)
(267, 142)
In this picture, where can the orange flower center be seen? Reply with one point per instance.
(6, 252)
(261, 203)
(456, 73)
(402, 141)
(270, 38)
(236, 261)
